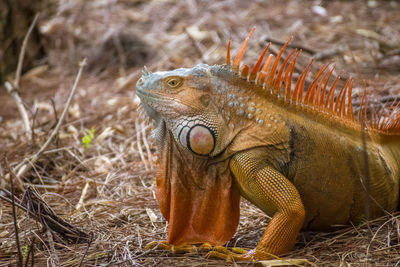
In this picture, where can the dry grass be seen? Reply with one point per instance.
(108, 189)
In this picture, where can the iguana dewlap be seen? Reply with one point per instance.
(223, 131)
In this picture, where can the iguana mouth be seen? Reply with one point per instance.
(153, 106)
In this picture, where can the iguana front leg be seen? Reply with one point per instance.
(272, 192)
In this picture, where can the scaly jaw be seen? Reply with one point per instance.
(149, 111)
(147, 99)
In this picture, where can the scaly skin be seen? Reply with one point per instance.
(300, 160)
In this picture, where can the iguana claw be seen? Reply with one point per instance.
(236, 254)
(184, 248)
(164, 245)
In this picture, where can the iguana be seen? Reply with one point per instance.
(226, 131)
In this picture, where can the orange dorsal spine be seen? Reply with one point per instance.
(256, 68)
(264, 70)
(271, 75)
(320, 96)
(350, 112)
(311, 91)
(245, 71)
(228, 54)
(277, 82)
(239, 56)
(289, 75)
(339, 99)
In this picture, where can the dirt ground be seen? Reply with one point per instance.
(107, 190)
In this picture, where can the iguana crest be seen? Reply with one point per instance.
(319, 96)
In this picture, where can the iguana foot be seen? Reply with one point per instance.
(184, 248)
(236, 254)
(220, 252)
(164, 245)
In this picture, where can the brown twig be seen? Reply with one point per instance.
(28, 165)
(376, 233)
(22, 53)
(82, 198)
(9, 199)
(36, 207)
(30, 251)
(33, 136)
(196, 43)
(329, 53)
(267, 39)
(53, 254)
(121, 55)
(12, 175)
(53, 104)
(21, 108)
(317, 55)
(15, 218)
(86, 251)
(12, 88)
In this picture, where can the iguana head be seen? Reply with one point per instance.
(197, 198)
(182, 98)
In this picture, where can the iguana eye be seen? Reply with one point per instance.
(174, 82)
